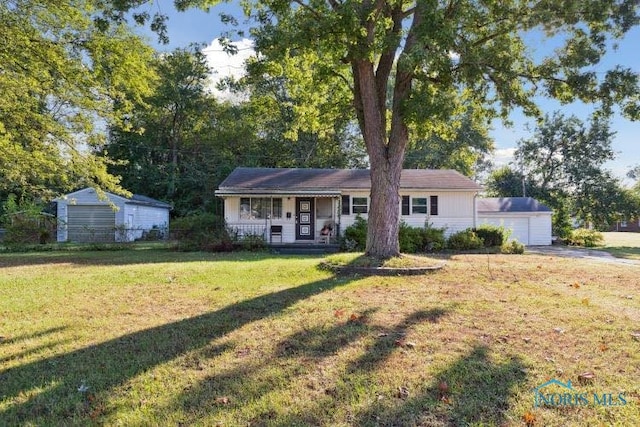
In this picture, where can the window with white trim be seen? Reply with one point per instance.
(359, 205)
(260, 208)
(418, 205)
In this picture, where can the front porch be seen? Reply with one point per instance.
(298, 219)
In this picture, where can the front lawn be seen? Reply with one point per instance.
(153, 337)
(622, 245)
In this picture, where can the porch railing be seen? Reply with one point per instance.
(241, 231)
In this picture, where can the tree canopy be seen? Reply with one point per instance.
(66, 69)
(180, 142)
(408, 67)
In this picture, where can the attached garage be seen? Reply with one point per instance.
(529, 220)
(83, 216)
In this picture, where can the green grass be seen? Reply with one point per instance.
(359, 259)
(622, 245)
(152, 337)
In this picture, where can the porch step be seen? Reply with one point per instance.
(305, 249)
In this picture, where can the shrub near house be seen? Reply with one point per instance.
(430, 239)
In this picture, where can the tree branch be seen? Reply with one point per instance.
(308, 8)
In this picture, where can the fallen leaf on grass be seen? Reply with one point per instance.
(353, 317)
(529, 419)
(558, 330)
(223, 400)
(586, 377)
(443, 388)
(526, 339)
(243, 352)
(338, 313)
(404, 343)
(603, 347)
(403, 392)
(585, 301)
(636, 336)
(576, 285)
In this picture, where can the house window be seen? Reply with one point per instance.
(623, 223)
(260, 207)
(405, 205)
(419, 205)
(346, 207)
(359, 205)
(433, 205)
(323, 207)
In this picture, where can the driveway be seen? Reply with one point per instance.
(590, 254)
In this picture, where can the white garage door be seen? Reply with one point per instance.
(519, 227)
(94, 223)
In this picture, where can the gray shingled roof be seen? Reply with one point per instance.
(144, 200)
(510, 204)
(281, 179)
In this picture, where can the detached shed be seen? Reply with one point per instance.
(84, 217)
(529, 220)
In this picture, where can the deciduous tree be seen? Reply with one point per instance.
(65, 68)
(423, 62)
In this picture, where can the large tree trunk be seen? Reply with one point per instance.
(386, 158)
(384, 214)
(385, 146)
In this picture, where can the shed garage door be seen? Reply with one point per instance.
(519, 226)
(94, 223)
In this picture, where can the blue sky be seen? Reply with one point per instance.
(202, 27)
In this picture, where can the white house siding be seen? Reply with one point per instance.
(455, 211)
(136, 219)
(528, 228)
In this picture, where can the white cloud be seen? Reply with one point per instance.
(503, 156)
(225, 65)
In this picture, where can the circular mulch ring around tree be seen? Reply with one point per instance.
(381, 271)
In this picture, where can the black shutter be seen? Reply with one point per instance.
(405, 205)
(433, 208)
(346, 208)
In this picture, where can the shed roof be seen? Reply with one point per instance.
(244, 180)
(135, 199)
(510, 204)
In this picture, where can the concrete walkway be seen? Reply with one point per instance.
(590, 254)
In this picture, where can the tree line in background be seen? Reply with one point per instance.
(87, 103)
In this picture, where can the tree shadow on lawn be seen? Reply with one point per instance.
(626, 252)
(47, 390)
(132, 256)
(297, 358)
(477, 392)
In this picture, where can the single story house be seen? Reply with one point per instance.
(529, 220)
(300, 205)
(85, 217)
(295, 205)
